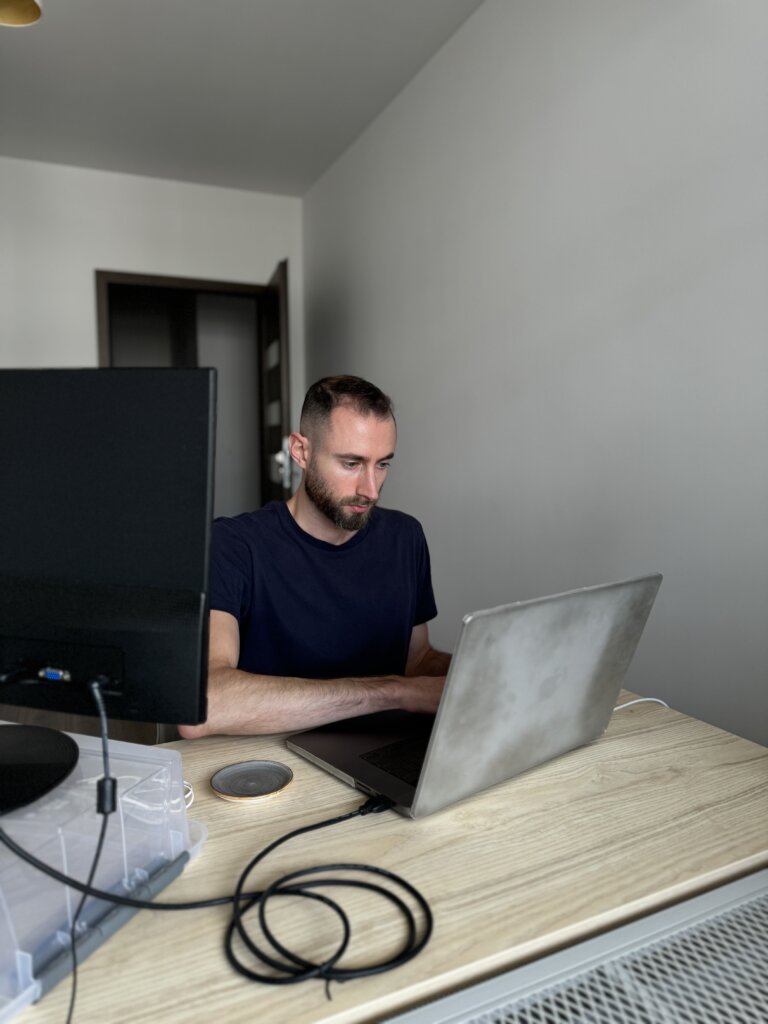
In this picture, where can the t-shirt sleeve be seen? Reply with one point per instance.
(231, 570)
(426, 608)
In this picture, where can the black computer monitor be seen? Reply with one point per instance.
(105, 512)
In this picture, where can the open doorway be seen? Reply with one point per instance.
(242, 330)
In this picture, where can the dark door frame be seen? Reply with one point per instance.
(272, 312)
(105, 278)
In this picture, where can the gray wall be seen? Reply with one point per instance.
(552, 249)
(59, 224)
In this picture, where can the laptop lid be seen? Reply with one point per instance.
(528, 681)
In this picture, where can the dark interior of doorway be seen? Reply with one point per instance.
(164, 324)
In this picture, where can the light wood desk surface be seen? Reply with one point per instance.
(660, 808)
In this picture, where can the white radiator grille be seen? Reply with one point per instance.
(701, 961)
(714, 971)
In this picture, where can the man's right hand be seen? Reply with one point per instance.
(420, 693)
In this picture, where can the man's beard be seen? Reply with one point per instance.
(319, 494)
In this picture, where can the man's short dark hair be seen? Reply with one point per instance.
(326, 394)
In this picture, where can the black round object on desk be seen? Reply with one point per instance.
(247, 781)
(33, 761)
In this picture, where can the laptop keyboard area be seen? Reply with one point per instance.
(403, 758)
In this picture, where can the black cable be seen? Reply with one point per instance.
(293, 968)
(73, 929)
(129, 901)
(110, 897)
(296, 968)
(105, 804)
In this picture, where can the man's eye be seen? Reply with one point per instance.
(384, 465)
(350, 465)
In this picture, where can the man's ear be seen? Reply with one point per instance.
(298, 447)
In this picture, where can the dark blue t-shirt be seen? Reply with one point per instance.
(317, 610)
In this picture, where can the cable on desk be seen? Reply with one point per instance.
(73, 929)
(105, 804)
(642, 700)
(138, 904)
(292, 968)
(189, 794)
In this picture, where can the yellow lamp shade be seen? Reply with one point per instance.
(18, 13)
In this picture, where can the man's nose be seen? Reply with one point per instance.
(368, 486)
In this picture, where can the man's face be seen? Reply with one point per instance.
(347, 466)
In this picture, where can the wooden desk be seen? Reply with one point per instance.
(660, 808)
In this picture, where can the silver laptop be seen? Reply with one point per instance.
(527, 682)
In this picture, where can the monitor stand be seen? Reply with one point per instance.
(33, 761)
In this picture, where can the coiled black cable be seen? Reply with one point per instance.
(293, 968)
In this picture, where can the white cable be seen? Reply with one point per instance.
(642, 700)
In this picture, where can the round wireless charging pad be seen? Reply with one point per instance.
(33, 761)
(247, 781)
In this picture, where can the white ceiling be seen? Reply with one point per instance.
(253, 94)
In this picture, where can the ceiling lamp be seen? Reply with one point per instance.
(18, 13)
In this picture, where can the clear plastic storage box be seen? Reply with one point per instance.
(148, 842)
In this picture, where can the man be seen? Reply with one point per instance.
(320, 604)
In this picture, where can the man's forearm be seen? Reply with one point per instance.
(240, 703)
